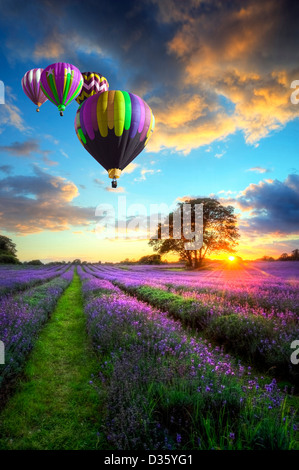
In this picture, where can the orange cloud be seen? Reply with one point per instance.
(52, 46)
(32, 204)
(226, 61)
(185, 139)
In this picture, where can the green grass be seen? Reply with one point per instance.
(54, 406)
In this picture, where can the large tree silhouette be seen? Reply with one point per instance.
(220, 232)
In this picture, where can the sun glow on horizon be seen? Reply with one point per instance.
(231, 258)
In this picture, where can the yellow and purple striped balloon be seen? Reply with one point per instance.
(32, 87)
(114, 127)
(93, 83)
(61, 83)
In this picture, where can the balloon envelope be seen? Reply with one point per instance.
(61, 83)
(114, 127)
(93, 83)
(32, 87)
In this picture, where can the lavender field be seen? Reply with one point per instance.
(184, 359)
(22, 315)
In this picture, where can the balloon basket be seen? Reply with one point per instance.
(114, 184)
(61, 113)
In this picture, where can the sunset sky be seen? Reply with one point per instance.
(217, 76)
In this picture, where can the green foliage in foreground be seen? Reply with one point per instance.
(55, 406)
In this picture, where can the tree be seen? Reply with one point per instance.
(127, 261)
(35, 262)
(284, 257)
(8, 251)
(150, 259)
(220, 232)
(7, 247)
(295, 255)
(9, 259)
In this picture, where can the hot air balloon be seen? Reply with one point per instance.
(31, 86)
(114, 127)
(61, 83)
(93, 83)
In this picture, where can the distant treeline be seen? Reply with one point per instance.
(293, 256)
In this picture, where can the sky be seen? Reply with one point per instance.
(217, 76)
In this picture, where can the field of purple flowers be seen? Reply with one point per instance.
(16, 278)
(186, 360)
(168, 388)
(251, 312)
(22, 315)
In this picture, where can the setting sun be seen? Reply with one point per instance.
(231, 258)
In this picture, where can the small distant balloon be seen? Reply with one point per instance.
(32, 87)
(114, 127)
(61, 83)
(93, 83)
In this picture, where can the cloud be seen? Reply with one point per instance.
(226, 192)
(52, 47)
(270, 207)
(145, 172)
(203, 83)
(199, 134)
(24, 149)
(267, 214)
(185, 198)
(49, 162)
(259, 169)
(119, 189)
(241, 61)
(220, 154)
(52, 139)
(10, 113)
(130, 168)
(21, 149)
(64, 153)
(32, 204)
(7, 169)
(98, 182)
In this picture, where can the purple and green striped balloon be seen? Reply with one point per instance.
(114, 127)
(61, 83)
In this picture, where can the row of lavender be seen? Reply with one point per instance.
(21, 319)
(165, 389)
(256, 289)
(13, 279)
(263, 336)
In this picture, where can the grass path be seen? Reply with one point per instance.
(55, 407)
